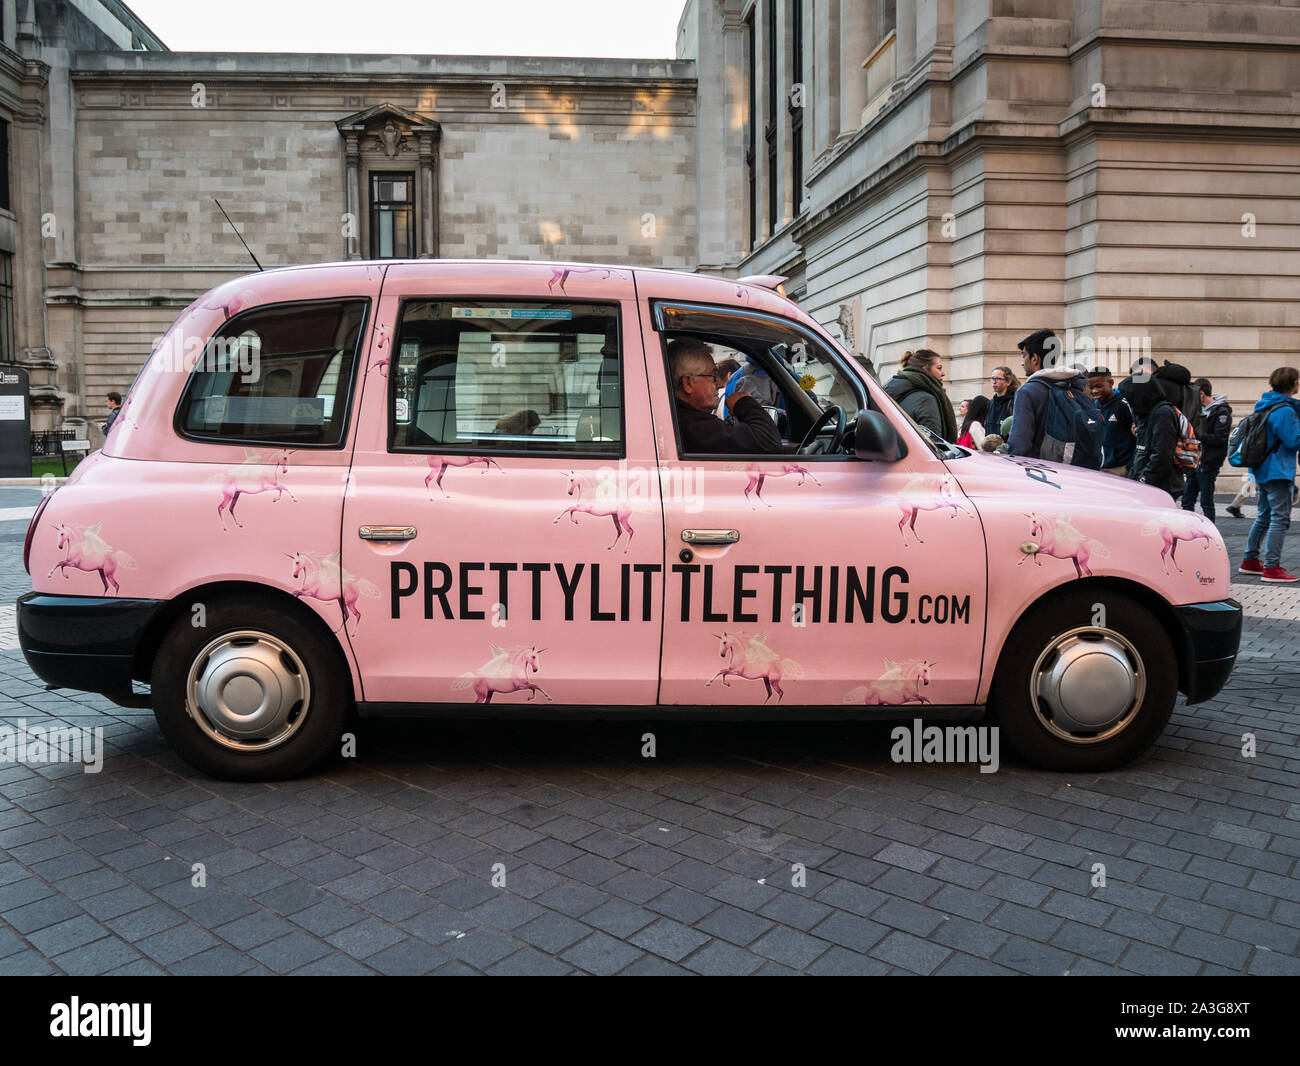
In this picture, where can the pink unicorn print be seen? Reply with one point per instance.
(508, 670)
(1173, 526)
(87, 550)
(752, 659)
(442, 462)
(323, 578)
(757, 474)
(379, 361)
(927, 492)
(901, 682)
(1058, 538)
(618, 510)
(259, 472)
(561, 275)
(234, 303)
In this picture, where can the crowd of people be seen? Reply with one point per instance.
(1157, 426)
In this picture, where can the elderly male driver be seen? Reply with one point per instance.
(749, 430)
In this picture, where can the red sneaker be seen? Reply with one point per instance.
(1279, 576)
(1250, 566)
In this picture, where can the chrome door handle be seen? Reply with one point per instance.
(710, 536)
(387, 532)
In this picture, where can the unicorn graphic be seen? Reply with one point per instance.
(561, 274)
(379, 361)
(619, 510)
(1173, 526)
(927, 492)
(752, 659)
(323, 578)
(442, 462)
(508, 670)
(757, 474)
(901, 682)
(259, 472)
(87, 550)
(1058, 538)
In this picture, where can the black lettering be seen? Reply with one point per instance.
(597, 615)
(865, 598)
(739, 594)
(536, 570)
(802, 592)
(396, 587)
(467, 590)
(833, 601)
(570, 586)
(941, 609)
(961, 610)
(686, 570)
(648, 570)
(899, 612)
(778, 573)
(503, 586)
(921, 605)
(710, 615)
(440, 591)
(624, 591)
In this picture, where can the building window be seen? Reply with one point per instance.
(796, 105)
(751, 160)
(392, 216)
(4, 165)
(770, 132)
(6, 308)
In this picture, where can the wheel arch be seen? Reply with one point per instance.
(182, 603)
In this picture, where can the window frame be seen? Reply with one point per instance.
(363, 338)
(860, 390)
(390, 402)
(376, 209)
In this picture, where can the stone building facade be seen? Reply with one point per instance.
(955, 174)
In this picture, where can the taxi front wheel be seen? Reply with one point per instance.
(256, 693)
(1087, 681)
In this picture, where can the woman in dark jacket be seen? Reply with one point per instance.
(918, 389)
(1005, 384)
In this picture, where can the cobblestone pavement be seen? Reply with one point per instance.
(618, 864)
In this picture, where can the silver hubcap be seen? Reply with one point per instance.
(248, 691)
(1088, 685)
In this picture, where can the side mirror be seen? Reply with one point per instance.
(875, 439)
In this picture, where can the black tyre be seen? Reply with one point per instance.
(256, 694)
(1085, 682)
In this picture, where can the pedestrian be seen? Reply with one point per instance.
(1213, 427)
(918, 389)
(1054, 419)
(1117, 441)
(1275, 477)
(1248, 488)
(114, 404)
(723, 369)
(1005, 384)
(971, 434)
(1154, 398)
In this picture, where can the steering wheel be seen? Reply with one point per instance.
(810, 445)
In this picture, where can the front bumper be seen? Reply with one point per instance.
(83, 642)
(1211, 634)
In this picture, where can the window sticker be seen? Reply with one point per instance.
(562, 313)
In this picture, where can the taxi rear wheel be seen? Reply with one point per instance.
(256, 693)
(1086, 682)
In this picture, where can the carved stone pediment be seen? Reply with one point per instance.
(389, 129)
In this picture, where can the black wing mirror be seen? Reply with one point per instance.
(876, 439)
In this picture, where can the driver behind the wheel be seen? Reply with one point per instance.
(748, 431)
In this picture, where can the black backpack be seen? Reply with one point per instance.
(1072, 430)
(1248, 444)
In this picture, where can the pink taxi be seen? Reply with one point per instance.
(461, 488)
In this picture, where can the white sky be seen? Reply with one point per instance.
(629, 29)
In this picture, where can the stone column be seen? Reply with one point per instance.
(826, 75)
(352, 154)
(427, 141)
(855, 43)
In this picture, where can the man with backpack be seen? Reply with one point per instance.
(1266, 441)
(1213, 425)
(1054, 417)
(1166, 443)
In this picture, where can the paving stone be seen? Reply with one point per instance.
(717, 959)
(601, 954)
(910, 953)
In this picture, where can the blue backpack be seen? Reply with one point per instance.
(1073, 430)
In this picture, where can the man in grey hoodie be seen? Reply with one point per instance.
(1040, 353)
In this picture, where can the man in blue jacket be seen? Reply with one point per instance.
(1275, 476)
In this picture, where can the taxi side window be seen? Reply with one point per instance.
(504, 375)
(280, 374)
